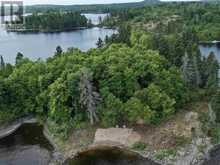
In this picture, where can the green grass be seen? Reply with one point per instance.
(202, 147)
(214, 134)
(139, 146)
(161, 154)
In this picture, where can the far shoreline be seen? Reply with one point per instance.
(32, 31)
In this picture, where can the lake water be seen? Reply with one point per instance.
(206, 49)
(43, 45)
(109, 156)
(28, 146)
(95, 18)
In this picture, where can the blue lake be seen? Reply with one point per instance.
(206, 49)
(43, 45)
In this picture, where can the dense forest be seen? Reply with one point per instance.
(145, 73)
(201, 19)
(53, 21)
(98, 8)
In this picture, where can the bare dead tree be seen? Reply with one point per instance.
(89, 98)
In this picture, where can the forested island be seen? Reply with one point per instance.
(52, 22)
(149, 76)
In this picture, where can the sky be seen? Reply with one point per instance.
(179, 0)
(72, 2)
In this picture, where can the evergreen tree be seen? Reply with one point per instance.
(19, 58)
(215, 103)
(212, 70)
(124, 34)
(2, 63)
(99, 43)
(212, 65)
(184, 67)
(190, 71)
(90, 23)
(59, 51)
(106, 39)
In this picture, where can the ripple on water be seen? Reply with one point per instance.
(25, 155)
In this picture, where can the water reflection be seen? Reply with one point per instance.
(109, 156)
(207, 48)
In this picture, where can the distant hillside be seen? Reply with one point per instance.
(210, 0)
(89, 8)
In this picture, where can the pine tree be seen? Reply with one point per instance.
(215, 103)
(106, 39)
(99, 43)
(59, 51)
(89, 24)
(124, 34)
(212, 70)
(190, 71)
(184, 68)
(2, 63)
(19, 58)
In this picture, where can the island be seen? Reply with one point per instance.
(51, 22)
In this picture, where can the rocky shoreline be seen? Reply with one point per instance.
(9, 129)
(43, 31)
(196, 152)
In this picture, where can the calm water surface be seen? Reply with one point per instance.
(109, 156)
(95, 18)
(43, 45)
(26, 146)
(206, 49)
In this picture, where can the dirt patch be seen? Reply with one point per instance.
(79, 140)
(175, 132)
(181, 134)
(124, 136)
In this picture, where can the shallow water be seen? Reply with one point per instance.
(26, 146)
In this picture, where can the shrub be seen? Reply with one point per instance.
(165, 153)
(140, 146)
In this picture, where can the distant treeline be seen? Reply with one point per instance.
(199, 19)
(98, 8)
(54, 21)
